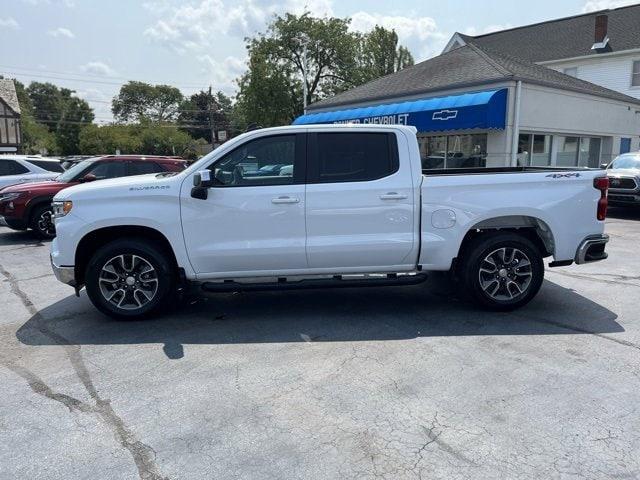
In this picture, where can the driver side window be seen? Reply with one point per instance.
(260, 162)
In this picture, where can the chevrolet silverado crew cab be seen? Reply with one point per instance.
(346, 206)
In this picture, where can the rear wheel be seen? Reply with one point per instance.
(502, 271)
(129, 279)
(42, 222)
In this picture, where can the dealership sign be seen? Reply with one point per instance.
(468, 111)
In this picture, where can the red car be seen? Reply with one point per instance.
(28, 205)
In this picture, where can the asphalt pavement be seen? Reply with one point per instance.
(384, 383)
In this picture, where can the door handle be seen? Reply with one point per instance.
(393, 196)
(281, 200)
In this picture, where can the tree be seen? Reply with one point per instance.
(108, 139)
(203, 109)
(63, 114)
(270, 92)
(381, 55)
(139, 101)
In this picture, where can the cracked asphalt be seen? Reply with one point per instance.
(395, 383)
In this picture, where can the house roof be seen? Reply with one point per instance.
(564, 37)
(467, 66)
(8, 94)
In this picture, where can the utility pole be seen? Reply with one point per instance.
(212, 125)
(304, 41)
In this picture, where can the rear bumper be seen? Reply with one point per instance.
(65, 275)
(592, 249)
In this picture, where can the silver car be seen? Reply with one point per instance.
(26, 168)
(624, 180)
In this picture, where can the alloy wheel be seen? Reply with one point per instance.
(505, 274)
(128, 281)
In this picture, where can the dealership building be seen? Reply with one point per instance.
(474, 106)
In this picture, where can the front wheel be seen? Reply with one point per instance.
(129, 279)
(502, 271)
(42, 222)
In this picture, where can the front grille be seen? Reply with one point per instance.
(623, 183)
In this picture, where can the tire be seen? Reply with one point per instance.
(130, 279)
(41, 222)
(515, 276)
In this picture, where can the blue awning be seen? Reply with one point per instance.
(478, 110)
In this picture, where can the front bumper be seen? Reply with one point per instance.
(592, 249)
(65, 275)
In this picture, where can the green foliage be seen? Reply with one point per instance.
(63, 114)
(201, 110)
(139, 101)
(270, 92)
(36, 138)
(145, 139)
(95, 140)
(381, 55)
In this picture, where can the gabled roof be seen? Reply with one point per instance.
(463, 67)
(565, 37)
(8, 94)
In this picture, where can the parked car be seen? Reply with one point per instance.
(624, 180)
(357, 211)
(24, 168)
(29, 206)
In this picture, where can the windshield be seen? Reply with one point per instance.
(626, 161)
(72, 174)
(48, 165)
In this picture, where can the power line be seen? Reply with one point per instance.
(65, 76)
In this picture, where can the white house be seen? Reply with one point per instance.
(601, 47)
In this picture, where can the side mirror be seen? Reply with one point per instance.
(202, 180)
(89, 177)
(604, 166)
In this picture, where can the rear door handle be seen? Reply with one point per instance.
(393, 196)
(281, 200)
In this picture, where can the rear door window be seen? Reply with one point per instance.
(103, 170)
(48, 165)
(11, 167)
(142, 168)
(352, 157)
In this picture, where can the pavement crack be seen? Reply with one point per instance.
(614, 279)
(142, 454)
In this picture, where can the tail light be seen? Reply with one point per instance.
(602, 184)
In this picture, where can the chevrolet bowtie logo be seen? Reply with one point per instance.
(445, 115)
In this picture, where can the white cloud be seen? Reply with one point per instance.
(222, 74)
(61, 32)
(97, 68)
(595, 5)
(420, 34)
(9, 22)
(473, 31)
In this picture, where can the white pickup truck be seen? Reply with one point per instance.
(323, 206)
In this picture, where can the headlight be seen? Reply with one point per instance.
(7, 197)
(60, 209)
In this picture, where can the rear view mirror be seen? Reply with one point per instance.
(604, 165)
(89, 177)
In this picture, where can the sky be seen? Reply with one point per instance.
(94, 46)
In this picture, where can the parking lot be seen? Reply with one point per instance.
(392, 383)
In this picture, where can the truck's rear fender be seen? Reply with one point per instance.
(560, 211)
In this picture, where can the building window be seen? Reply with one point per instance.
(572, 71)
(534, 150)
(453, 151)
(578, 152)
(635, 76)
